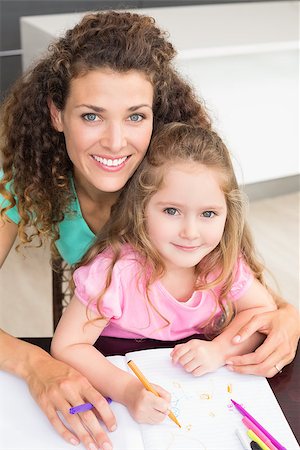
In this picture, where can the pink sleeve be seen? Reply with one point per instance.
(89, 283)
(242, 281)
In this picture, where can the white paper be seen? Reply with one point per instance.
(202, 406)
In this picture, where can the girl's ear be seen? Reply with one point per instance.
(55, 116)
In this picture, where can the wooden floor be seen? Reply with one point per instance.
(25, 284)
(275, 226)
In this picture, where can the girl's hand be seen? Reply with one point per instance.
(282, 328)
(144, 406)
(56, 387)
(197, 357)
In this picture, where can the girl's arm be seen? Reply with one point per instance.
(256, 300)
(73, 343)
(199, 357)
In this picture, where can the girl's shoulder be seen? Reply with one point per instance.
(242, 270)
(241, 280)
(127, 259)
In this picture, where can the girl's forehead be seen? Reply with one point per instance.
(179, 168)
(191, 173)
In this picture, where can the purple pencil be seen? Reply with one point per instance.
(246, 414)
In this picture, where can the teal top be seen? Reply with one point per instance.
(75, 235)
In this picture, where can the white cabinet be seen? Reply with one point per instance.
(242, 59)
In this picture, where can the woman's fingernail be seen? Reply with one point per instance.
(113, 428)
(237, 339)
(228, 362)
(230, 368)
(74, 441)
(92, 446)
(106, 446)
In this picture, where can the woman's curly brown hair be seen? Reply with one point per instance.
(33, 153)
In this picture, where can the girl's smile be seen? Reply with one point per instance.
(186, 248)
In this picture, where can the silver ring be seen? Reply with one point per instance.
(278, 370)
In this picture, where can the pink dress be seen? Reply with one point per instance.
(126, 307)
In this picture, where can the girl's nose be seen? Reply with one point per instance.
(190, 229)
(113, 138)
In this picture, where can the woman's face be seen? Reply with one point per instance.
(107, 122)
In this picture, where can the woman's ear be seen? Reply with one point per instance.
(55, 114)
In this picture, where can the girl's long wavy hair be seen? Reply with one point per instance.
(176, 143)
(33, 153)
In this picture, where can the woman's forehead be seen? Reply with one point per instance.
(105, 83)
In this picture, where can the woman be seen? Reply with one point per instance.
(74, 129)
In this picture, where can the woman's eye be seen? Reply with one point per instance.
(90, 117)
(171, 211)
(136, 117)
(208, 214)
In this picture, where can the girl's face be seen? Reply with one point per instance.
(107, 122)
(186, 217)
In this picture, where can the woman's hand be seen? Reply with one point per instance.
(282, 328)
(56, 387)
(144, 406)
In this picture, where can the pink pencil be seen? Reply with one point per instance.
(251, 426)
(269, 436)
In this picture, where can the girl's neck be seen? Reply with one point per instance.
(180, 282)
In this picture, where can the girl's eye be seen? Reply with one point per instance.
(136, 117)
(90, 117)
(208, 214)
(171, 211)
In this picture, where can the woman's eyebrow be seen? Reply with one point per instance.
(100, 109)
(93, 107)
(133, 108)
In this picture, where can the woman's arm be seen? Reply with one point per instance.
(54, 385)
(282, 331)
(73, 343)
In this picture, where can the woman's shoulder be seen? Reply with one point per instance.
(12, 213)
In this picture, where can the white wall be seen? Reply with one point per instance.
(253, 101)
(242, 59)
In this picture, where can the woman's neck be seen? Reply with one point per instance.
(95, 205)
(83, 187)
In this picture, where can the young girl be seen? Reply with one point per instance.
(176, 258)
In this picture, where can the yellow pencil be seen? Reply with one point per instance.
(149, 387)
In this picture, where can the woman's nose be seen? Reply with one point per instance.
(113, 137)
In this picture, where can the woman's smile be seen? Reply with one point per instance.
(110, 164)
